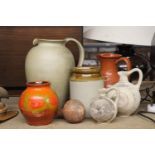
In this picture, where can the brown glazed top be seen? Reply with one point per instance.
(85, 74)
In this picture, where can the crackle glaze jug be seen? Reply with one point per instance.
(50, 60)
(130, 97)
(104, 106)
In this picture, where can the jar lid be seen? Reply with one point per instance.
(86, 70)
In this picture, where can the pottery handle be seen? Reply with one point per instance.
(35, 41)
(81, 50)
(140, 76)
(116, 91)
(127, 61)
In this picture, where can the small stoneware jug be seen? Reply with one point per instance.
(130, 97)
(104, 106)
(50, 60)
(109, 69)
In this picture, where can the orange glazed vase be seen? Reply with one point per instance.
(38, 103)
(109, 69)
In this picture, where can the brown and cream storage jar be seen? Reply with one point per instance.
(84, 85)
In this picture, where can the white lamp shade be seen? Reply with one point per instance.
(137, 35)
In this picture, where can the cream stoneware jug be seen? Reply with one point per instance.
(51, 60)
(130, 97)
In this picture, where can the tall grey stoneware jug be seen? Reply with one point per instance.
(52, 61)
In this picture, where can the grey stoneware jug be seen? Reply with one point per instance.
(50, 60)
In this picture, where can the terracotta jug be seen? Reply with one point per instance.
(51, 60)
(38, 103)
(109, 69)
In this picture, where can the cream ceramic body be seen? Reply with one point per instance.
(84, 85)
(52, 61)
(130, 97)
(85, 91)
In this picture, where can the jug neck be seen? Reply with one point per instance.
(49, 42)
(108, 59)
(123, 76)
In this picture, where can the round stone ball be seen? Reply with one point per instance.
(74, 111)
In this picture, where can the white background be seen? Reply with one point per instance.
(77, 13)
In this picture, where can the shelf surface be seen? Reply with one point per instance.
(131, 122)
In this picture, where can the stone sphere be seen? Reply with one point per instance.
(74, 111)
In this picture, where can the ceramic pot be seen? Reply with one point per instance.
(38, 103)
(109, 69)
(84, 85)
(51, 60)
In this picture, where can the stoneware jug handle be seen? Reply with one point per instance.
(140, 76)
(116, 91)
(127, 61)
(81, 50)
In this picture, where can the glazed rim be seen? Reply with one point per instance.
(38, 83)
(109, 55)
(37, 40)
(86, 70)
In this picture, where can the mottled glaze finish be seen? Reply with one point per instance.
(38, 103)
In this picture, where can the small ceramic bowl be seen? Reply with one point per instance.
(3, 108)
